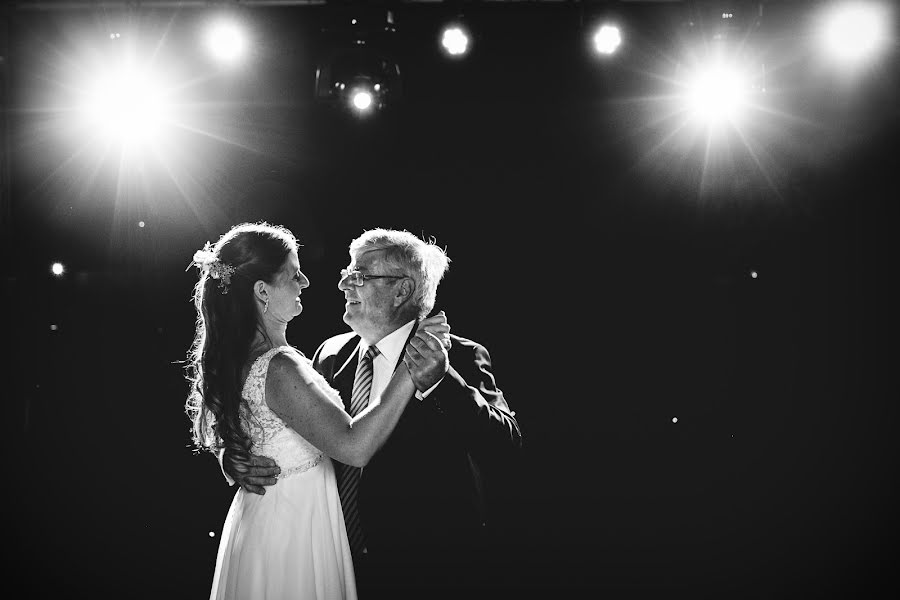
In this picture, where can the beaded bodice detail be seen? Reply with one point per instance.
(269, 435)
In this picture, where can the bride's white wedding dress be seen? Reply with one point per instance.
(290, 542)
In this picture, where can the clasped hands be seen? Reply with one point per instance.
(425, 356)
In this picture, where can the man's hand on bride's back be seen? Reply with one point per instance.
(251, 475)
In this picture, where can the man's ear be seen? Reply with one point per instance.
(260, 290)
(404, 291)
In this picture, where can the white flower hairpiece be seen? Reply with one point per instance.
(207, 260)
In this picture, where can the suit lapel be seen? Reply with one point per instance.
(347, 358)
(411, 334)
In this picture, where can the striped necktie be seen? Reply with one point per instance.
(347, 476)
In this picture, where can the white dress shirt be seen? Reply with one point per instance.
(390, 349)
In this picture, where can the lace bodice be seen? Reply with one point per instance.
(269, 435)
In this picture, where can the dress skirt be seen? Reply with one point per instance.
(290, 543)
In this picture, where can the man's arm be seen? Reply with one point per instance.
(467, 397)
(252, 474)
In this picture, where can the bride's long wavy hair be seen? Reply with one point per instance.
(227, 322)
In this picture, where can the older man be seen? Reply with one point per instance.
(416, 515)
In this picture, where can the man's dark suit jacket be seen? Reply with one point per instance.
(425, 495)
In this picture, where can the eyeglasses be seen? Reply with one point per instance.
(357, 278)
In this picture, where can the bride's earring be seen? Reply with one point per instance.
(266, 307)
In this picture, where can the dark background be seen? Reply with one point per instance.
(608, 274)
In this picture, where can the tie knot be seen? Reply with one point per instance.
(372, 352)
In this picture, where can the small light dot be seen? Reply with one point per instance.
(141, 223)
(674, 419)
(54, 327)
(754, 274)
(353, 21)
(57, 268)
(212, 534)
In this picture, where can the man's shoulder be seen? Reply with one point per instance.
(335, 344)
(458, 339)
(465, 345)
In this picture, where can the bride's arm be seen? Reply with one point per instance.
(305, 408)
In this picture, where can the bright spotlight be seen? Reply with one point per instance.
(57, 269)
(455, 41)
(125, 105)
(717, 93)
(226, 41)
(854, 31)
(607, 39)
(358, 80)
(362, 100)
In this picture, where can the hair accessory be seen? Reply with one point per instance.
(206, 260)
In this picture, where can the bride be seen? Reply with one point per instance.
(251, 392)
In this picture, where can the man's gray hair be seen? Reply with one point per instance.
(423, 261)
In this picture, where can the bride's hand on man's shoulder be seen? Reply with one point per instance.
(437, 326)
(252, 474)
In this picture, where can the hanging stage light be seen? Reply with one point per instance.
(455, 40)
(358, 72)
(361, 99)
(721, 78)
(226, 41)
(852, 32)
(607, 39)
(126, 105)
(360, 80)
(717, 93)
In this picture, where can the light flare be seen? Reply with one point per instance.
(607, 39)
(125, 105)
(717, 93)
(852, 32)
(362, 100)
(226, 41)
(455, 41)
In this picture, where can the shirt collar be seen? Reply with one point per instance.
(391, 345)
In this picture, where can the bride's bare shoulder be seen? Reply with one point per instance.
(290, 367)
